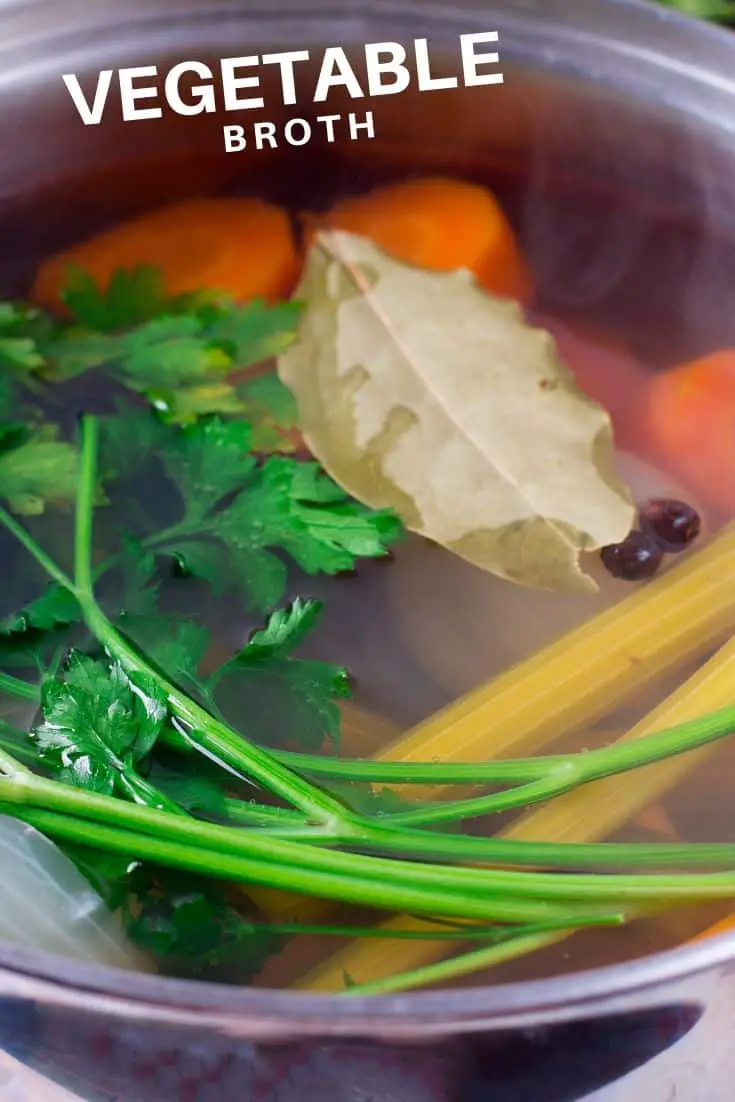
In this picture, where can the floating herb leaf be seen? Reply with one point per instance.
(270, 408)
(98, 723)
(257, 510)
(291, 701)
(36, 470)
(56, 607)
(178, 353)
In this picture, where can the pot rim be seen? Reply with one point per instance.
(247, 1010)
(266, 1014)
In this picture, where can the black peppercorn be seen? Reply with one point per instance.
(673, 524)
(637, 558)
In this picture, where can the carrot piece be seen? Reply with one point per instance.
(606, 371)
(689, 425)
(724, 926)
(440, 224)
(244, 247)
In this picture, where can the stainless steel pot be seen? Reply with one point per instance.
(612, 95)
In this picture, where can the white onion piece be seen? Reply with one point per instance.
(464, 626)
(48, 905)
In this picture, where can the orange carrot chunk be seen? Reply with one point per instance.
(440, 224)
(689, 425)
(724, 926)
(244, 247)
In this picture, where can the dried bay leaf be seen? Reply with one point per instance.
(419, 391)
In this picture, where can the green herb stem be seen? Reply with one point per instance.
(511, 948)
(420, 772)
(290, 877)
(36, 551)
(458, 933)
(248, 812)
(212, 735)
(510, 852)
(592, 763)
(480, 886)
(567, 773)
(475, 889)
(15, 686)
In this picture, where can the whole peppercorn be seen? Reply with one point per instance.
(636, 559)
(673, 524)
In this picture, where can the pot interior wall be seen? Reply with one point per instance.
(624, 208)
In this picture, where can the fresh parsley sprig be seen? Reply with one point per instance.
(178, 353)
(135, 763)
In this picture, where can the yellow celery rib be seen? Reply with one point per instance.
(364, 732)
(568, 684)
(584, 674)
(598, 809)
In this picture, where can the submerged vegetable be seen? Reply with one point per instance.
(583, 815)
(686, 407)
(241, 247)
(440, 224)
(724, 926)
(419, 392)
(170, 765)
(48, 905)
(485, 625)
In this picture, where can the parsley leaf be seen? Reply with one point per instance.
(251, 333)
(19, 329)
(295, 508)
(188, 919)
(207, 462)
(286, 628)
(37, 470)
(177, 647)
(290, 701)
(270, 407)
(185, 921)
(133, 296)
(240, 516)
(56, 607)
(178, 353)
(193, 792)
(97, 724)
(140, 586)
(128, 439)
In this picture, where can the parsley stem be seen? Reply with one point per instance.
(213, 736)
(248, 812)
(15, 686)
(23, 752)
(420, 772)
(475, 885)
(613, 759)
(85, 506)
(401, 895)
(512, 852)
(36, 551)
(565, 774)
(510, 948)
(457, 932)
